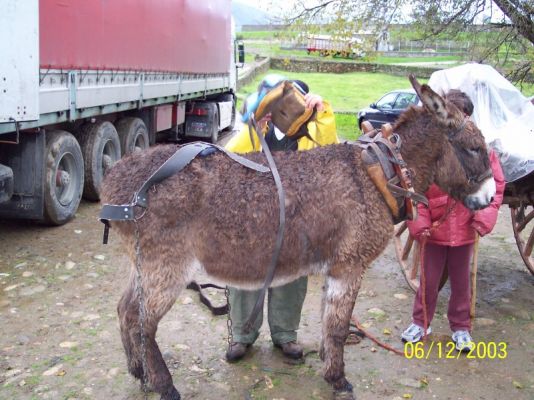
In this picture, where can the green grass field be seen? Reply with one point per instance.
(346, 92)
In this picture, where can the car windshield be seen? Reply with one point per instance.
(404, 100)
(387, 101)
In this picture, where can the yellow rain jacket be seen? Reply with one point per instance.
(322, 129)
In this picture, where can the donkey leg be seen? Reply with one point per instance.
(128, 310)
(342, 287)
(160, 295)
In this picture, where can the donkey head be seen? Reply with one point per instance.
(462, 166)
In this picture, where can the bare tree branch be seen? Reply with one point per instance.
(523, 23)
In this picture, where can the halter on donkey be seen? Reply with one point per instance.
(217, 217)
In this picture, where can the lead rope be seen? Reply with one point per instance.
(142, 309)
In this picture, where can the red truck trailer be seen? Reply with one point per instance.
(83, 83)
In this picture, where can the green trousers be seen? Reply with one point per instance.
(284, 307)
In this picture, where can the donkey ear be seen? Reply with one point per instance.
(432, 101)
(415, 84)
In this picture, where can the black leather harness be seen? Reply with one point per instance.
(382, 148)
(178, 161)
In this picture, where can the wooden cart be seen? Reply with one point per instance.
(518, 195)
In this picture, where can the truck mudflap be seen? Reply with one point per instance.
(25, 160)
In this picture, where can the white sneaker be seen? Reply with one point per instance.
(463, 340)
(414, 333)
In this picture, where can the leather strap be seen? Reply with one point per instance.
(393, 178)
(215, 310)
(258, 307)
(179, 160)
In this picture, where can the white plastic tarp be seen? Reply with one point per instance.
(503, 114)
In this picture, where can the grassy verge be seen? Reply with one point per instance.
(347, 93)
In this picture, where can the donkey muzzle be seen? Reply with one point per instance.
(482, 197)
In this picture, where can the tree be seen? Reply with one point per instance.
(499, 32)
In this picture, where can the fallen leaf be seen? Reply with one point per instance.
(268, 382)
(387, 331)
(53, 371)
(10, 288)
(407, 396)
(517, 385)
(68, 345)
(187, 300)
(194, 368)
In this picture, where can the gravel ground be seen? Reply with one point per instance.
(60, 340)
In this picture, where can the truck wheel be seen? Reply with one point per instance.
(232, 122)
(63, 177)
(215, 125)
(133, 135)
(101, 149)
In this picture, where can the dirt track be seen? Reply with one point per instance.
(59, 288)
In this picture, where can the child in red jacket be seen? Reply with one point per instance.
(450, 246)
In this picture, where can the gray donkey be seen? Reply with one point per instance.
(217, 217)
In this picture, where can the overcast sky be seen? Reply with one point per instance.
(265, 4)
(277, 5)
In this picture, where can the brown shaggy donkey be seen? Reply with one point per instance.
(221, 218)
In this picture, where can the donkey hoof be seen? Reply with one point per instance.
(137, 372)
(345, 393)
(171, 394)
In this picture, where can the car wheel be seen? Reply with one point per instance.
(360, 121)
(63, 184)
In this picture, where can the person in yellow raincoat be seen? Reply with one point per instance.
(284, 302)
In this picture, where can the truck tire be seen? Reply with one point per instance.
(101, 149)
(230, 97)
(215, 125)
(63, 184)
(232, 122)
(133, 135)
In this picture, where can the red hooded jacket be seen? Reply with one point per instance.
(460, 225)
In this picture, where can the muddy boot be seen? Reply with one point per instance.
(291, 349)
(236, 351)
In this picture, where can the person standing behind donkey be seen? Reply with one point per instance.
(284, 302)
(450, 245)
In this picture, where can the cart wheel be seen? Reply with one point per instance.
(408, 254)
(523, 224)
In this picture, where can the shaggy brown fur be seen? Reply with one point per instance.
(219, 217)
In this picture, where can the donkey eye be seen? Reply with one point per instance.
(473, 151)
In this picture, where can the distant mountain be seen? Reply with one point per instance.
(248, 15)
